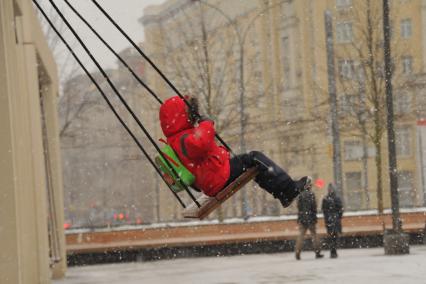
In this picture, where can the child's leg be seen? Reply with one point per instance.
(271, 177)
(238, 165)
(275, 180)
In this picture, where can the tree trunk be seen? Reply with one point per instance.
(378, 145)
(365, 170)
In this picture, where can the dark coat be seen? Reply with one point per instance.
(307, 207)
(333, 211)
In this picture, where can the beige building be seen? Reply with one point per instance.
(32, 246)
(280, 46)
(105, 174)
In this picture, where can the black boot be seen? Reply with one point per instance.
(333, 253)
(287, 197)
(318, 255)
(304, 183)
(275, 180)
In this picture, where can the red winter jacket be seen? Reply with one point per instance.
(195, 146)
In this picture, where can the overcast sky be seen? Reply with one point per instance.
(125, 12)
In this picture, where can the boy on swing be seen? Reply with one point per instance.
(193, 139)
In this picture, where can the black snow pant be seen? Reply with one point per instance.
(271, 177)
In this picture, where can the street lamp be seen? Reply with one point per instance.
(395, 241)
(337, 159)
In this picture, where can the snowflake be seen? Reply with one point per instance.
(198, 133)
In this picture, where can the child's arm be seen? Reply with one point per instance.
(199, 141)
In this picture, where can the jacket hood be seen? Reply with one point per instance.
(174, 117)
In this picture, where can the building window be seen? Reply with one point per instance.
(286, 61)
(405, 189)
(347, 104)
(353, 150)
(258, 74)
(341, 4)
(344, 32)
(380, 68)
(402, 103)
(406, 28)
(407, 65)
(294, 107)
(346, 69)
(403, 141)
(292, 150)
(354, 192)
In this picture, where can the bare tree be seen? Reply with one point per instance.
(79, 96)
(361, 84)
(202, 64)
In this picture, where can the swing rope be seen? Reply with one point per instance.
(104, 95)
(154, 66)
(114, 88)
(114, 52)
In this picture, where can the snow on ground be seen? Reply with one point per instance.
(353, 266)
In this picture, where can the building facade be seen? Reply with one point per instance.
(32, 248)
(273, 55)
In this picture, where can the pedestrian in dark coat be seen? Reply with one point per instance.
(192, 138)
(307, 220)
(333, 211)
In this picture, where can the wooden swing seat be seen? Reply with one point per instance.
(210, 203)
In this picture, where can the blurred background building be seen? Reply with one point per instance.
(269, 57)
(107, 181)
(259, 69)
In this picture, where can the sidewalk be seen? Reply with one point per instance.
(208, 233)
(352, 266)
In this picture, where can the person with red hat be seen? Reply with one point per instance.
(192, 137)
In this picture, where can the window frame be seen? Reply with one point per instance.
(403, 146)
(407, 61)
(346, 68)
(406, 27)
(404, 190)
(403, 103)
(343, 4)
(286, 61)
(351, 192)
(354, 146)
(344, 32)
